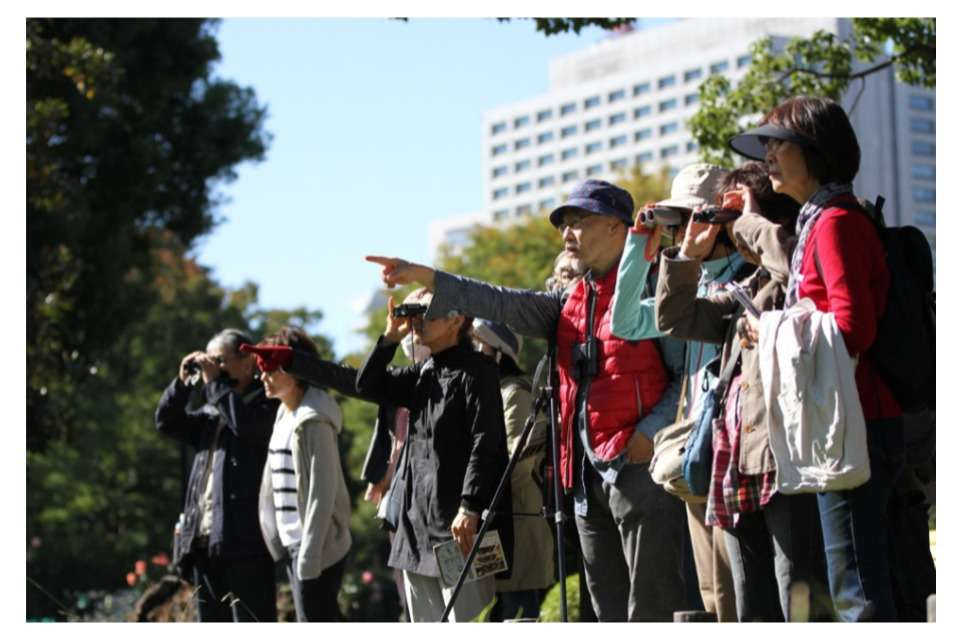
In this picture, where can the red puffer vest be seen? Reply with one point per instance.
(630, 377)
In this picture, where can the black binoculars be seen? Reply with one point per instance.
(716, 215)
(409, 310)
(585, 359)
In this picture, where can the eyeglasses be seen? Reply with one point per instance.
(771, 144)
(574, 220)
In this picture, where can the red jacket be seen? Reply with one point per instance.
(853, 285)
(629, 382)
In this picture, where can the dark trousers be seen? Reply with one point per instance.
(316, 599)
(772, 550)
(855, 531)
(913, 570)
(516, 604)
(235, 589)
(632, 539)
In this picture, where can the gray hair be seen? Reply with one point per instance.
(229, 339)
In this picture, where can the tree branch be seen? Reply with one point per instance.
(859, 74)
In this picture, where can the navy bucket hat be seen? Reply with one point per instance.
(599, 197)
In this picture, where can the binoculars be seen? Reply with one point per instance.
(716, 215)
(662, 216)
(409, 310)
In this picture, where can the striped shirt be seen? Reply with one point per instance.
(285, 481)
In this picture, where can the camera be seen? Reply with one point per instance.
(716, 215)
(409, 310)
(662, 216)
(585, 359)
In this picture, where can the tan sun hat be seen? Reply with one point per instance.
(695, 185)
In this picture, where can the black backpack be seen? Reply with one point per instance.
(904, 351)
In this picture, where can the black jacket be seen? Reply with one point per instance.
(238, 459)
(456, 447)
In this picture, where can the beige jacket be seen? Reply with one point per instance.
(713, 319)
(532, 541)
(322, 499)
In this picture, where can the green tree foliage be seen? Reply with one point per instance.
(822, 64)
(128, 134)
(128, 137)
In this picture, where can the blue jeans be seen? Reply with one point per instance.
(855, 531)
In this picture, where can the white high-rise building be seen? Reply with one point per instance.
(625, 101)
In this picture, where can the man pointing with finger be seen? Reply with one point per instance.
(629, 528)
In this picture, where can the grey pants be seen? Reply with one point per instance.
(632, 542)
(427, 598)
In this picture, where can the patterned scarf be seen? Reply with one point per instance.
(809, 214)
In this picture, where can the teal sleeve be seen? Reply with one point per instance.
(632, 317)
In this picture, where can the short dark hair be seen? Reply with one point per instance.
(834, 154)
(779, 208)
(298, 340)
(230, 339)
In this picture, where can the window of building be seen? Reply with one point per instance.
(543, 116)
(566, 109)
(642, 134)
(566, 154)
(545, 181)
(923, 194)
(566, 132)
(640, 112)
(692, 146)
(522, 165)
(593, 147)
(594, 169)
(591, 102)
(522, 143)
(500, 171)
(618, 141)
(619, 94)
(497, 150)
(544, 160)
(691, 98)
(521, 121)
(501, 214)
(524, 210)
(568, 176)
(923, 149)
(925, 219)
(646, 156)
(669, 127)
(546, 136)
(744, 60)
(500, 193)
(619, 163)
(592, 125)
(522, 187)
(666, 81)
(924, 172)
(641, 88)
(692, 74)
(921, 103)
(719, 67)
(666, 105)
(672, 150)
(922, 125)
(499, 127)
(617, 118)
(547, 203)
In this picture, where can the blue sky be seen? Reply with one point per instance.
(377, 131)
